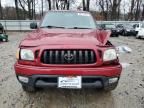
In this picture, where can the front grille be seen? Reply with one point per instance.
(68, 57)
(114, 31)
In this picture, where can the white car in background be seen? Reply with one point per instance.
(137, 27)
(140, 32)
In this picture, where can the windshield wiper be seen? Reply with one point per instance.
(51, 27)
(79, 28)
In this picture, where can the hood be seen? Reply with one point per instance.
(65, 36)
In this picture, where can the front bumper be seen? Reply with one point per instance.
(114, 33)
(97, 77)
(51, 81)
(131, 33)
(108, 71)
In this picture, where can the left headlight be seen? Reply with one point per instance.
(118, 30)
(109, 55)
(26, 54)
(128, 30)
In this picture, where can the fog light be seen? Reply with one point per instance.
(113, 80)
(23, 79)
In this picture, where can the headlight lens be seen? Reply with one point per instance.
(26, 54)
(128, 30)
(118, 30)
(109, 55)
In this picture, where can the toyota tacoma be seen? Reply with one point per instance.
(66, 50)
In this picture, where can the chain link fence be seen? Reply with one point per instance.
(24, 25)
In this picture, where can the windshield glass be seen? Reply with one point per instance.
(68, 20)
(110, 26)
(129, 26)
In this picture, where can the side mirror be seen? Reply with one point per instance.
(101, 27)
(33, 25)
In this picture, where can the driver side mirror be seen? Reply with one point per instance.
(101, 27)
(33, 25)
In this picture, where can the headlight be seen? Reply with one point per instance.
(128, 30)
(26, 54)
(109, 55)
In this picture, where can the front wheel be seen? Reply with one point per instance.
(124, 33)
(117, 35)
(137, 37)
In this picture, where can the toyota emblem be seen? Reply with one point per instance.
(68, 56)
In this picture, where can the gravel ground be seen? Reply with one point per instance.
(128, 94)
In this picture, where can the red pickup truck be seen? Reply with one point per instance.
(66, 50)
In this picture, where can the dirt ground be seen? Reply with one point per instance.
(128, 94)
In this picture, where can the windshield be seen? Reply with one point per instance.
(68, 20)
(110, 26)
(129, 26)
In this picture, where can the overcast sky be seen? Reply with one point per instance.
(7, 2)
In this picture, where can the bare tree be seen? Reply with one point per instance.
(131, 9)
(62, 4)
(49, 3)
(30, 5)
(86, 4)
(142, 12)
(42, 5)
(17, 9)
(24, 10)
(1, 11)
(67, 4)
(104, 5)
(137, 11)
(114, 4)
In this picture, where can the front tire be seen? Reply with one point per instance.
(124, 33)
(137, 37)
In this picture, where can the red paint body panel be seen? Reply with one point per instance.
(108, 71)
(66, 37)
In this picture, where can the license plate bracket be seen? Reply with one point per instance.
(72, 82)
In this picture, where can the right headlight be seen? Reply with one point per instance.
(109, 55)
(26, 54)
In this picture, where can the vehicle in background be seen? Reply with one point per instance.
(140, 32)
(126, 29)
(137, 27)
(109, 26)
(3, 35)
